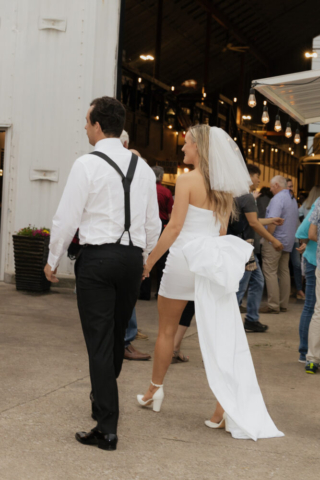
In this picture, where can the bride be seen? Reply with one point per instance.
(205, 265)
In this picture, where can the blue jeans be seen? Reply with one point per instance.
(308, 309)
(296, 265)
(254, 282)
(132, 329)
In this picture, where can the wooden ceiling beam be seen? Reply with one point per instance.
(224, 21)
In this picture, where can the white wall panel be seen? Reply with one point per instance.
(47, 80)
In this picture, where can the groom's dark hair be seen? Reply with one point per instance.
(110, 114)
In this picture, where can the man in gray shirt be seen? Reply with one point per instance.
(275, 265)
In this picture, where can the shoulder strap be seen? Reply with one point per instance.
(126, 183)
(108, 160)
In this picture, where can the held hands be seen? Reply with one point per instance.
(277, 245)
(278, 221)
(50, 275)
(146, 271)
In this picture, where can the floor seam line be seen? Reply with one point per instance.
(42, 396)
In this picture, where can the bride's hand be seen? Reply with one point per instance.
(146, 271)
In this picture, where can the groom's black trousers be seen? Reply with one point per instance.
(108, 281)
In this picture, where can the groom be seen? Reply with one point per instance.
(116, 230)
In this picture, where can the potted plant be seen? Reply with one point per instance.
(31, 249)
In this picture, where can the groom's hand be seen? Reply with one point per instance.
(50, 275)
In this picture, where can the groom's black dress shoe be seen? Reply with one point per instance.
(105, 441)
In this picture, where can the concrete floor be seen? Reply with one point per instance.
(45, 399)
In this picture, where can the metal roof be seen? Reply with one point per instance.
(274, 35)
(297, 94)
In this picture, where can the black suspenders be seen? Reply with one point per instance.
(126, 183)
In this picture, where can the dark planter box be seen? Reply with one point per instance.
(30, 258)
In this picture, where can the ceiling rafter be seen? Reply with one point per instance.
(224, 21)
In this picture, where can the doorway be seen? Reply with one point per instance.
(2, 139)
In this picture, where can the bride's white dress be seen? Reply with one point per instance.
(207, 268)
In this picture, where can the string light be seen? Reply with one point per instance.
(288, 132)
(235, 100)
(272, 149)
(292, 153)
(277, 125)
(253, 144)
(312, 154)
(204, 94)
(290, 149)
(265, 102)
(139, 80)
(146, 57)
(305, 147)
(169, 126)
(157, 117)
(252, 102)
(249, 150)
(173, 88)
(246, 117)
(235, 139)
(177, 133)
(311, 55)
(276, 150)
(186, 170)
(265, 115)
(297, 138)
(262, 150)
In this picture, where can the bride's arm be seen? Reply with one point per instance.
(172, 230)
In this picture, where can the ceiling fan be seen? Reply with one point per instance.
(235, 48)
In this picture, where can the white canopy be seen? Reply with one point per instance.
(297, 94)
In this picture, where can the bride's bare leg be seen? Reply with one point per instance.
(217, 416)
(170, 312)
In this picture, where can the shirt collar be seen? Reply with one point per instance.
(114, 143)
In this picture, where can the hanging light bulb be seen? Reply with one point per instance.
(297, 138)
(252, 102)
(288, 132)
(265, 115)
(277, 125)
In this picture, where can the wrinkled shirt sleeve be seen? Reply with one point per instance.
(153, 222)
(68, 216)
(274, 208)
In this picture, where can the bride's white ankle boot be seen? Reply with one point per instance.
(155, 401)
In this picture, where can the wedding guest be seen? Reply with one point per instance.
(247, 225)
(132, 332)
(165, 201)
(295, 258)
(309, 249)
(275, 264)
(309, 201)
(184, 324)
(313, 355)
(263, 201)
(109, 268)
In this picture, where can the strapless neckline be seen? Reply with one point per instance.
(204, 209)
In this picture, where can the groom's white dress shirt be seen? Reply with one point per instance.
(93, 201)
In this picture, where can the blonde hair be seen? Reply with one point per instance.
(223, 201)
(312, 197)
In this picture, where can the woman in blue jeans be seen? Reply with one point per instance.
(309, 257)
